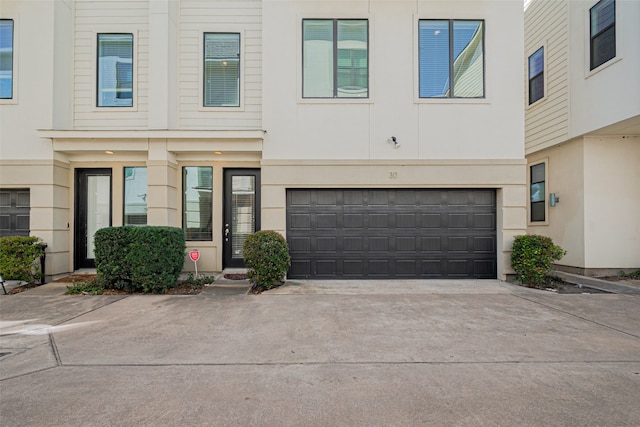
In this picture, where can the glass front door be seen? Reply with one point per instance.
(92, 212)
(241, 212)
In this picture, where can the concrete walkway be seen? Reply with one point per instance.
(351, 353)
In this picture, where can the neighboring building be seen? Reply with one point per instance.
(383, 139)
(583, 130)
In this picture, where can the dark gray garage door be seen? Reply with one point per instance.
(391, 233)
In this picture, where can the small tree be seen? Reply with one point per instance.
(266, 255)
(532, 257)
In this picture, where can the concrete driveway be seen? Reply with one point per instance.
(353, 353)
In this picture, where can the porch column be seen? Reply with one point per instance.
(162, 176)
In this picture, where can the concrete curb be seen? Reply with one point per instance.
(602, 285)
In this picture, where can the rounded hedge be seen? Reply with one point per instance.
(266, 255)
(532, 257)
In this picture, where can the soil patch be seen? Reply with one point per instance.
(237, 276)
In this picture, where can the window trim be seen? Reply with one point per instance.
(134, 73)
(14, 64)
(449, 99)
(334, 98)
(544, 161)
(544, 76)
(590, 37)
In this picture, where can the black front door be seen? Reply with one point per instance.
(241, 212)
(92, 212)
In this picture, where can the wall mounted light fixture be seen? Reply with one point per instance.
(553, 199)
(393, 140)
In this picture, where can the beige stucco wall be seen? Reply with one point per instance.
(612, 202)
(596, 219)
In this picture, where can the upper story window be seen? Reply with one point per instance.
(451, 58)
(135, 195)
(6, 58)
(537, 192)
(115, 70)
(536, 75)
(221, 70)
(603, 32)
(197, 202)
(335, 58)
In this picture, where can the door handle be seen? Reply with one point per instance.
(226, 233)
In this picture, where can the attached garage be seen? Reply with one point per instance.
(391, 233)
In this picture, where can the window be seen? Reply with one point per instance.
(135, 196)
(197, 186)
(14, 212)
(451, 59)
(221, 70)
(536, 76)
(115, 70)
(6, 58)
(537, 192)
(335, 58)
(603, 32)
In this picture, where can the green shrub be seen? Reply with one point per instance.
(20, 258)
(632, 275)
(139, 259)
(532, 257)
(266, 255)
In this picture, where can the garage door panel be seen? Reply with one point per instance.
(379, 244)
(326, 267)
(407, 233)
(353, 220)
(353, 244)
(484, 221)
(353, 267)
(300, 245)
(328, 220)
(300, 198)
(327, 244)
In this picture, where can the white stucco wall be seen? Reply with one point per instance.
(300, 128)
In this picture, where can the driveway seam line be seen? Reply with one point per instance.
(577, 316)
(92, 310)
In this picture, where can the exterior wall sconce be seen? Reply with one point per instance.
(393, 140)
(553, 199)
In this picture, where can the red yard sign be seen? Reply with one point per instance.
(194, 255)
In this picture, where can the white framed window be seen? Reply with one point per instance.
(335, 58)
(115, 70)
(602, 33)
(451, 58)
(221, 70)
(536, 75)
(6, 59)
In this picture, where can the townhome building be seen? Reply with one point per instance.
(383, 139)
(583, 131)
